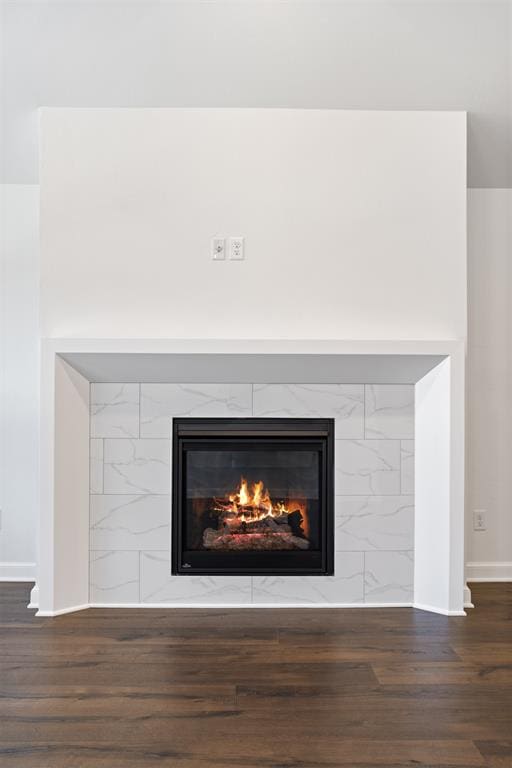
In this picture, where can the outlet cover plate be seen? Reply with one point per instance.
(236, 248)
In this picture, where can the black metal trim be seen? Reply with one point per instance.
(310, 563)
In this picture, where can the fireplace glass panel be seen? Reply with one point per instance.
(253, 496)
(255, 499)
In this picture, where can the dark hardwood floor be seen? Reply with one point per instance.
(252, 688)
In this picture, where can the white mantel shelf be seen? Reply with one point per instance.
(69, 365)
(254, 346)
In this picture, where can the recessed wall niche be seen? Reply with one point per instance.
(130, 502)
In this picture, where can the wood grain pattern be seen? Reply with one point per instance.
(258, 688)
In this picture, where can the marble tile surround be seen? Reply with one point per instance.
(130, 504)
(115, 410)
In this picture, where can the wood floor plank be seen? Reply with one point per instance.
(443, 673)
(260, 688)
(253, 753)
(497, 754)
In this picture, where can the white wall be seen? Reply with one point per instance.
(62, 572)
(489, 459)
(307, 54)
(354, 224)
(71, 487)
(489, 446)
(19, 298)
(339, 54)
(355, 229)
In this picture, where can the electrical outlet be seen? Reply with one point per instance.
(479, 519)
(236, 248)
(218, 248)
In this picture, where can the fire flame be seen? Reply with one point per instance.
(250, 504)
(257, 498)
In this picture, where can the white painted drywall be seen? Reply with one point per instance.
(342, 54)
(63, 573)
(489, 415)
(307, 54)
(64, 466)
(438, 477)
(489, 461)
(354, 223)
(19, 397)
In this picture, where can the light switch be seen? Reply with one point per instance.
(218, 248)
(480, 520)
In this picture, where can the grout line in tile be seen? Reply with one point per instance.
(141, 494)
(90, 403)
(364, 411)
(103, 466)
(365, 439)
(132, 437)
(364, 577)
(140, 576)
(266, 383)
(401, 478)
(148, 548)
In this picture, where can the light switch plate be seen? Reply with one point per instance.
(479, 519)
(218, 248)
(236, 248)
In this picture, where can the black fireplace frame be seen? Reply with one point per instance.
(315, 432)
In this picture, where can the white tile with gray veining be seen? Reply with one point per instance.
(344, 402)
(124, 522)
(407, 465)
(159, 402)
(374, 523)
(96, 465)
(136, 466)
(346, 586)
(365, 467)
(389, 577)
(159, 586)
(114, 577)
(130, 505)
(389, 411)
(114, 410)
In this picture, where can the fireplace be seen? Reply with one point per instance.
(253, 496)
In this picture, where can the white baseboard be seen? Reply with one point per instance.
(217, 606)
(17, 571)
(442, 611)
(467, 597)
(225, 606)
(34, 597)
(492, 571)
(62, 611)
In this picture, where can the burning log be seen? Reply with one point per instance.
(247, 541)
(254, 526)
(295, 521)
(248, 510)
(249, 519)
